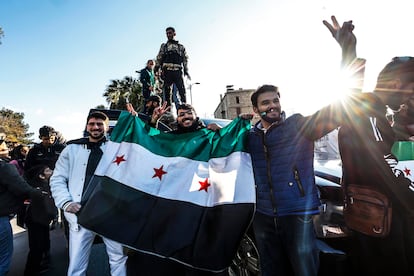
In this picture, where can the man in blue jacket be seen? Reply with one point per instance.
(282, 157)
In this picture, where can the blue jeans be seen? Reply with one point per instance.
(6, 245)
(287, 245)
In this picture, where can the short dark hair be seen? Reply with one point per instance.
(399, 67)
(185, 106)
(98, 115)
(154, 98)
(46, 131)
(170, 29)
(262, 89)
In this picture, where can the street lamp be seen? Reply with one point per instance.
(191, 88)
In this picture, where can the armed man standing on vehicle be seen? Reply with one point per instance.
(172, 58)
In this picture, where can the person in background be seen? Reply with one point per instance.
(74, 169)
(13, 190)
(18, 157)
(38, 217)
(173, 58)
(365, 142)
(147, 80)
(152, 103)
(47, 151)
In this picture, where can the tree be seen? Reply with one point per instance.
(14, 126)
(119, 92)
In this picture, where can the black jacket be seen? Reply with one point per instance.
(365, 138)
(13, 189)
(145, 79)
(41, 210)
(40, 155)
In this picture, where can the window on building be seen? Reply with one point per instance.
(238, 110)
(237, 100)
(223, 114)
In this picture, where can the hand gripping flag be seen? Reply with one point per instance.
(187, 197)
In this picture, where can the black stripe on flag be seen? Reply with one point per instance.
(202, 237)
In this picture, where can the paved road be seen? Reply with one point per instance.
(98, 263)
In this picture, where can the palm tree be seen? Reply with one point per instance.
(120, 92)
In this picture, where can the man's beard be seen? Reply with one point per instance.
(268, 119)
(97, 137)
(190, 128)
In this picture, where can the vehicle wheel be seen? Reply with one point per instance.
(246, 262)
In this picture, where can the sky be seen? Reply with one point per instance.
(58, 56)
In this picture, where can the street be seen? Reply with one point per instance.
(98, 262)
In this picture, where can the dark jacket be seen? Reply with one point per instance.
(146, 79)
(13, 189)
(41, 155)
(365, 138)
(41, 210)
(282, 161)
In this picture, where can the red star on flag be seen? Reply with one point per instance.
(204, 185)
(159, 172)
(119, 159)
(407, 171)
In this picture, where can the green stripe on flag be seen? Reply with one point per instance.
(198, 145)
(403, 150)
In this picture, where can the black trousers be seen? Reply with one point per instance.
(170, 77)
(39, 243)
(391, 255)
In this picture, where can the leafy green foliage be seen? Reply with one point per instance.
(14, 126)
(119, 92)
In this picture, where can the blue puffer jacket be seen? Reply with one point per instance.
(283, 168)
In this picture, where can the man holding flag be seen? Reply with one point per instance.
(71, 176)
(187, 206)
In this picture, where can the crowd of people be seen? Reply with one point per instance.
(282, 153)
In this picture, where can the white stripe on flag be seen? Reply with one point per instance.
(407, 167)
(230, 178)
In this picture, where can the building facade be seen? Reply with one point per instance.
(233, 103)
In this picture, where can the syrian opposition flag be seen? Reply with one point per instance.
(404, 151)
(187, 197)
